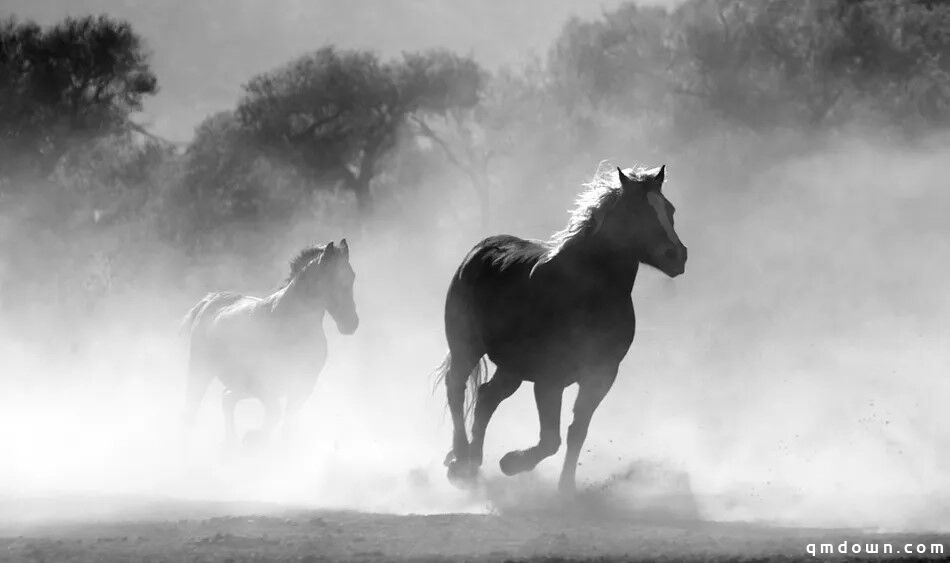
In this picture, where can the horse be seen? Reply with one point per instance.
(555, 313)
(271, 349)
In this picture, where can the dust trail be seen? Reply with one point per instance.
(796, 374)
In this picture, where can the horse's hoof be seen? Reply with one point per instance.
(511, 463)
(462, 474)
(567, 489)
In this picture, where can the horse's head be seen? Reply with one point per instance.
(332, 279)
(644, 221)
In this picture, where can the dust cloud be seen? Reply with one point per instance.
(796, 374)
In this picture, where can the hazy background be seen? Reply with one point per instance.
(205, 51)
(795, 374)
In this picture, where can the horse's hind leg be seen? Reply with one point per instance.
(456, 379)
(490, 395)
(548, 399)
(465, 351)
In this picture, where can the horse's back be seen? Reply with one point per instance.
(530, 319)
(490, 287)
(497, 265)
(500, 256)
(205, 312)
(242, 337)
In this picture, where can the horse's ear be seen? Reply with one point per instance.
(624, 179)
(345, 248)
(656, 183)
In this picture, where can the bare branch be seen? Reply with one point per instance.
(427, 132)
(140, 129)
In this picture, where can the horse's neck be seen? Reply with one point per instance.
(600, 263)
(290, 303)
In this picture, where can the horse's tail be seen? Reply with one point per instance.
(197, 313)
(478, 376)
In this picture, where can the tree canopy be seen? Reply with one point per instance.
(73, 81)
(701, 82)
(765, 63)
(335, 114)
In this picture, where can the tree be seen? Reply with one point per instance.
(762, 63)
(622, 60)
(216, 163)
(816, 63)
(517, 119)
(336, 114)
(228, 182)
(460, 136)
(77, 80)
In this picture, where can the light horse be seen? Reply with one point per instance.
(273, 348)
(553, 313)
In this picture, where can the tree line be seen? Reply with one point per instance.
(339, 129)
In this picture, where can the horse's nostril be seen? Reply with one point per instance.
(670, 254)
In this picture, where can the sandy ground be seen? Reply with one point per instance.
(81, 531)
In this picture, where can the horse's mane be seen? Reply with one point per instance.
(592, 205)
(302, 259)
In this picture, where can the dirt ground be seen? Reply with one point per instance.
(180, 531)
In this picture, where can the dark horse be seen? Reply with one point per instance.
(272, 348)
(554, 313)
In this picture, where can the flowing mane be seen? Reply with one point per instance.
(302, 259)
(592, 205)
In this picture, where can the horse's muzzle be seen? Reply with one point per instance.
(674, 261)
(348, 326)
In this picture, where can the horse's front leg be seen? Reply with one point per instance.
(547, 396)
(589, 396)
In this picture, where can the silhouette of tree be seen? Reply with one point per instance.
(335, 114)
(72, 82)
(763, 63)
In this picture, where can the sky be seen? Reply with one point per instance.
(203, 51)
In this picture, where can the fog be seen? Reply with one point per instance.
(795, 374)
